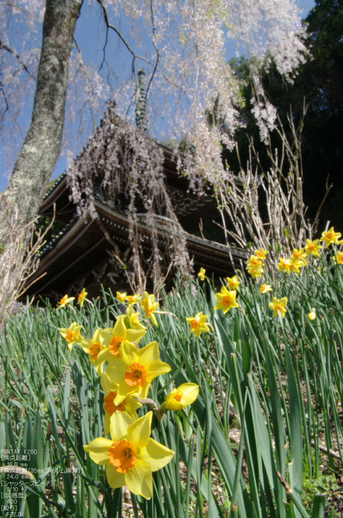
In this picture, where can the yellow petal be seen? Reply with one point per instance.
(129, 353)
(156, 455)
(98, 450)
(190, 392)
(139, 432)
(134, 335)
(149, 353)
(119, 424)
(116, 370)
(139, 479)
(114, 478)
(107, 384)
(157, 368)
(119, 327)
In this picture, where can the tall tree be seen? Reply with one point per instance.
(42, 145)
(182, 46)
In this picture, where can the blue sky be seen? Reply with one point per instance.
(305, 5)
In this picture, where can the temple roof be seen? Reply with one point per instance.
(88, 243)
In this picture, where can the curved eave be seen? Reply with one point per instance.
(87, 243)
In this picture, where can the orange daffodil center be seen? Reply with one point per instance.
(70, 336)
(195, 322)
(114, 345)
(136, 375)
(261, 254)
(122, 455)
(109, 405)
(129, 405)
(95, 349)
(226, 300)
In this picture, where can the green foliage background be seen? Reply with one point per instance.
(283, 376)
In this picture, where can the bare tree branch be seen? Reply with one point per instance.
(16, 55)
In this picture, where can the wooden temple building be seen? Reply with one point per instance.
(85, 252)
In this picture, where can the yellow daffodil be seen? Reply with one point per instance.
(65, 301)
(93, 347)
(264, 288)
(255, 266)
(114, 337)
(312, 315)
(198, 324)
(129, 405)
(150, 306)
(133, 299)
(134, 319)
(256, 272)
(313, 248)
(135, 369)
(72, 335)
(295, 265)
(261, 254)
(254, 262)
(226, 300)
(279, 306)
(121, 296)
(330, 236)
(284, 265)
(299, 255)
(82, 297)
(339, 257)
(233, 282)
(131, 455)
(202, 274)
(182, 396)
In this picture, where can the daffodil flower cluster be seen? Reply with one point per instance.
(298, 260)
(126, 372)
(255, 265)
(147, 303)
(66, 300)
(294, 263)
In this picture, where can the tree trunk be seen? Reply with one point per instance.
(42, 145)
